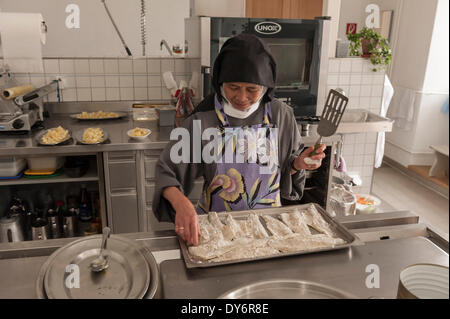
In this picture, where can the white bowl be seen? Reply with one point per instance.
(367, 209)
(424, 281)
(139, 137)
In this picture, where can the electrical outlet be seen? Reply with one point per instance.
(62, 81)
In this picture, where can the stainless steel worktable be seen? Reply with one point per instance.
(26, 144)
(343, 269)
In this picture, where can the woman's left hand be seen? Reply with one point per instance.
(319, 155)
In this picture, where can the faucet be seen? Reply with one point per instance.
(164, 42)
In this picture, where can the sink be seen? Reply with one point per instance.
(360, 121)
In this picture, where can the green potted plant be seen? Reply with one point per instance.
(373, 46)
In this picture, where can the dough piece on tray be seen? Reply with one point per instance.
(333, 240)
(247, 248)
(231, 230)
(211, 249)
(316, 221)
(296, 243)
(255, 227)
(207, 231)
(234, 229)
(215, 220)
(296, 223)
(276, 227)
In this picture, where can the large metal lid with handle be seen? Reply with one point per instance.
(130, 273)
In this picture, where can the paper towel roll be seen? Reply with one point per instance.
(11, 93)
(21, 37)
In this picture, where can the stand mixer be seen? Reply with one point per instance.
(22, 112)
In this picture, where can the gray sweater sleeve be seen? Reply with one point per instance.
(291, 186)
(168, 173)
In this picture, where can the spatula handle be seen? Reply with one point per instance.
(316, 146)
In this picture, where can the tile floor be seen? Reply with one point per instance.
(400, 192)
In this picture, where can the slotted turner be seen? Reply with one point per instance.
(331, 115)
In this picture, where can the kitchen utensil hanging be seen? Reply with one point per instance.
(143, 27)
(117, 29)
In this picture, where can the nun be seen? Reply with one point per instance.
(256, 157)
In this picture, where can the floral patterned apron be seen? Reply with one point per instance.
(252, 178)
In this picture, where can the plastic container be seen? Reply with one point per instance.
(144, 112)
(371, 205)
(11, 166)
(342, 48)
(166, 115)
(45, 163)
(342, 201)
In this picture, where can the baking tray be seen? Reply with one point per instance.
(338, 229)
(119, 115)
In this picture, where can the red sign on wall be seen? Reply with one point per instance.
(351, 28)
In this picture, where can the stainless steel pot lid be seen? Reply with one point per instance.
(128, 274)
(286, 289)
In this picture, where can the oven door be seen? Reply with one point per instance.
(299, 47)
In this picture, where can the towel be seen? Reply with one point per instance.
(388, 92)
(402, 108)
(22, 36)
(342, 166)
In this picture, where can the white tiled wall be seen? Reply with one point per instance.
(111, 79)
(365, 90)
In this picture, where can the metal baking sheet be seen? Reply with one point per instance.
(339, 230)
(119, 115)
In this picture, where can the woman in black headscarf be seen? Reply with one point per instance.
(266, 161)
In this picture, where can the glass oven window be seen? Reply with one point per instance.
(293, 58)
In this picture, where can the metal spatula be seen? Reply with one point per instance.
(331, 115)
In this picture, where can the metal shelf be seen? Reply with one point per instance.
(90, 176)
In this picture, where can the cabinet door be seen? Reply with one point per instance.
(150, 168)
(219, 8)
(124, 213)
(284, 9)
(264, 8)
(122, 175)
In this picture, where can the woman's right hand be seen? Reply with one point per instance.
(186, 222)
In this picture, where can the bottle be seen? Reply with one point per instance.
(72, 202)
(61, 211)
(53, 221)
(85, 214)
(44, 202)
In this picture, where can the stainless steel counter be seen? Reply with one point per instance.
(26, 144)
(346, 269)
(343, 269)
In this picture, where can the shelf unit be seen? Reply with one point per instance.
(90, 176)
